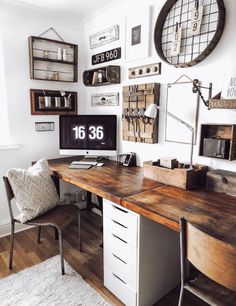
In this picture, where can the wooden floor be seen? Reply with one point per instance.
(89, 263)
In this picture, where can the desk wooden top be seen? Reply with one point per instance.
(111, 181)
(212, 212)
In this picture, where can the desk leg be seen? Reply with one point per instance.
(89, 200)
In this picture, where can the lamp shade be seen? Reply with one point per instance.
(151, 111)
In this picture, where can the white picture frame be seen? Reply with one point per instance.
(181, 102)
(104, 37)
(138, 35)
(105, 99)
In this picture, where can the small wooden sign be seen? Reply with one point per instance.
(104, 37)
(106, 56)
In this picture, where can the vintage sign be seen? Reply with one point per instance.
(105, 99)
(104, 37)
(106, 56)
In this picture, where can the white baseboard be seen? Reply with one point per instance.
(5, 229)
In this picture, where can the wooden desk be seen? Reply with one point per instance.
(111, 181)
(213, 212)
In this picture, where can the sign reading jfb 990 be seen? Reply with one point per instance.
(106, 56)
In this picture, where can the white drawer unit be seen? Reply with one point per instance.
(141, 257)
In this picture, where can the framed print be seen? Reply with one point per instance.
(184, 104)
(137, 35)
(104, 37)
(105, 99)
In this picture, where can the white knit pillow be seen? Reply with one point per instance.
(34, 190)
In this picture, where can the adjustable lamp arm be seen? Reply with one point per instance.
(151, 112)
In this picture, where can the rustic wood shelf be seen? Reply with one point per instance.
(222, 103)
(50, 60)
(51, 102)
(102, 76)
(222, 132)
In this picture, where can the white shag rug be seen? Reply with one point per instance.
(44, 285)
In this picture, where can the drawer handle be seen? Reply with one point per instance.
(124, 211)
(119, 258)
(119, 224)
(119, 238)
(119, 278)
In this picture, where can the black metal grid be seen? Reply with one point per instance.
(191, 46)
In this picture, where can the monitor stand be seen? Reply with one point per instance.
(89, 158)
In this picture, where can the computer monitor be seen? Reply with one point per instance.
(89, 135)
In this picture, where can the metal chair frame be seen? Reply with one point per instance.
(58, 230)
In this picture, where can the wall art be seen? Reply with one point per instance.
(104, 37)
(105, 99)
(106, 56)
(145, 70)
(137, 34)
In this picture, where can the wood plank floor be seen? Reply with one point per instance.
(89, 264)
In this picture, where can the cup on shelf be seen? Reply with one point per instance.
(41, 102)
(48, 101)
(67, 102)
(59, 54)
(57, 102)
(56, 76)
(64, 55)
(45, 53)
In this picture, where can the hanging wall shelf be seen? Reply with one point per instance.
(52, 60)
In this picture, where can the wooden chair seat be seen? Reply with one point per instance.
(204, 286)
(60, 216)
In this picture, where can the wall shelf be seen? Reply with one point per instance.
(219, 131)
(222, 103)
(52, 102)
(102, 76)
(52, 60)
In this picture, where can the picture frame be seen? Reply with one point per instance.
(138, 35)
(187, 110)
(104, 37)
(105, 99)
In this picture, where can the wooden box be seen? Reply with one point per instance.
(221, 181)
(220, 131)
(178, 177)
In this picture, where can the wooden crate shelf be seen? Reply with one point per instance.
(45, 64)
(219, 131)
(102, 76)
(222, 103)
(39, 106)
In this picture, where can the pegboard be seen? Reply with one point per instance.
(136, 99)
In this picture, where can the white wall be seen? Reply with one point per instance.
(217, 68)
(33, 145)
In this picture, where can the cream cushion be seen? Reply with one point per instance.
(34, 190)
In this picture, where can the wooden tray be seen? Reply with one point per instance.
(178, 177)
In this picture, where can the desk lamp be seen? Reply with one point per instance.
(151, 112)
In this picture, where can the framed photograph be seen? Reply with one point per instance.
(105, 99)
(184, 104)
(104, 37)
(138, 34)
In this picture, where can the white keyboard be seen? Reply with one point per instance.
(84, 163)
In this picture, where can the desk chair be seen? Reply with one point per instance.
(216, 262)
(58, 217)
